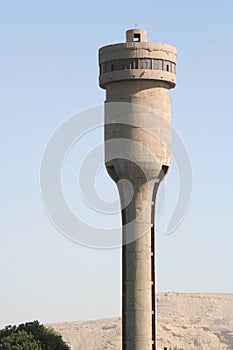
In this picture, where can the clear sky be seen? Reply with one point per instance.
(48, 71)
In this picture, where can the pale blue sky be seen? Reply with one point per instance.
(48, 71)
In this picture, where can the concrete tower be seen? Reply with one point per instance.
(138, 74)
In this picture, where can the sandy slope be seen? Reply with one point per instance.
(188, 321)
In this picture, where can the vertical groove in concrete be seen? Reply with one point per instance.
(153, 277)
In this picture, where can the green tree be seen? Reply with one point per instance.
(47, 338)
(20, 340)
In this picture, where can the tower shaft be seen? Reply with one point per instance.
(138, 272)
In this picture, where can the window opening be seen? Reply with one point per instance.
(137, 37)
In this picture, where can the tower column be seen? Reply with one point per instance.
(138, 268)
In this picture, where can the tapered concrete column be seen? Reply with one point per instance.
(138, 270)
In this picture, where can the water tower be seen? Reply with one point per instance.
(138, 75)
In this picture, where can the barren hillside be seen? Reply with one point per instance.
(187, 321)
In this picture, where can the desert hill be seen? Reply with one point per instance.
(186, 321)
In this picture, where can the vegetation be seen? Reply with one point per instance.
(31, 336)
(19, 341)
